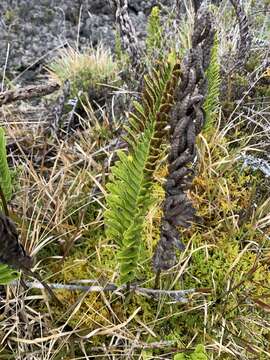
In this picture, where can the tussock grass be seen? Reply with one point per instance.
(92, 68)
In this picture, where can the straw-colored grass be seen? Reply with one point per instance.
(87, 70)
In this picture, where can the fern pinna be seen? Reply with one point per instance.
(128, 190)
(5, 177)
(212, 103)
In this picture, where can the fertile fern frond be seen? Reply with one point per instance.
(5, 178)
(128, 197)
(157, 100)
(211, 103)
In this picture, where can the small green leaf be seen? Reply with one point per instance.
(7, 274)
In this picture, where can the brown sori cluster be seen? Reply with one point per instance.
(186, 123)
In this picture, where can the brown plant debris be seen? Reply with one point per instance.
(127, 31)
(27, 93)
(244, 43)
(12, 252)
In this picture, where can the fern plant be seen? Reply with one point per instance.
(128, 199)
(211, 103)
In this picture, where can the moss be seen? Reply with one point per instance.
(240, 80)
(253, 62)
(228, 107)
(262, 91)
(10, 15)
(211, 267)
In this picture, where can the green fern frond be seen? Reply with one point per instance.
(212, 103)
(154, 31)
(128, 191)
(5, 177)
(157, 100)
(7, 274)
(126, 206)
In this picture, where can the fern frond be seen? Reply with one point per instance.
(157, 101)
(128, 198)
(126, 205)
(126, 188)
(5, 178)
(212, 103)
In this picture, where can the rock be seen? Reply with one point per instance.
(34, 29)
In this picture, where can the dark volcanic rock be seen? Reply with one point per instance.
(34, 28)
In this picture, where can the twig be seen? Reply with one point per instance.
(139, 345)
(41, 282)
(27, 92)
(177, 295)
